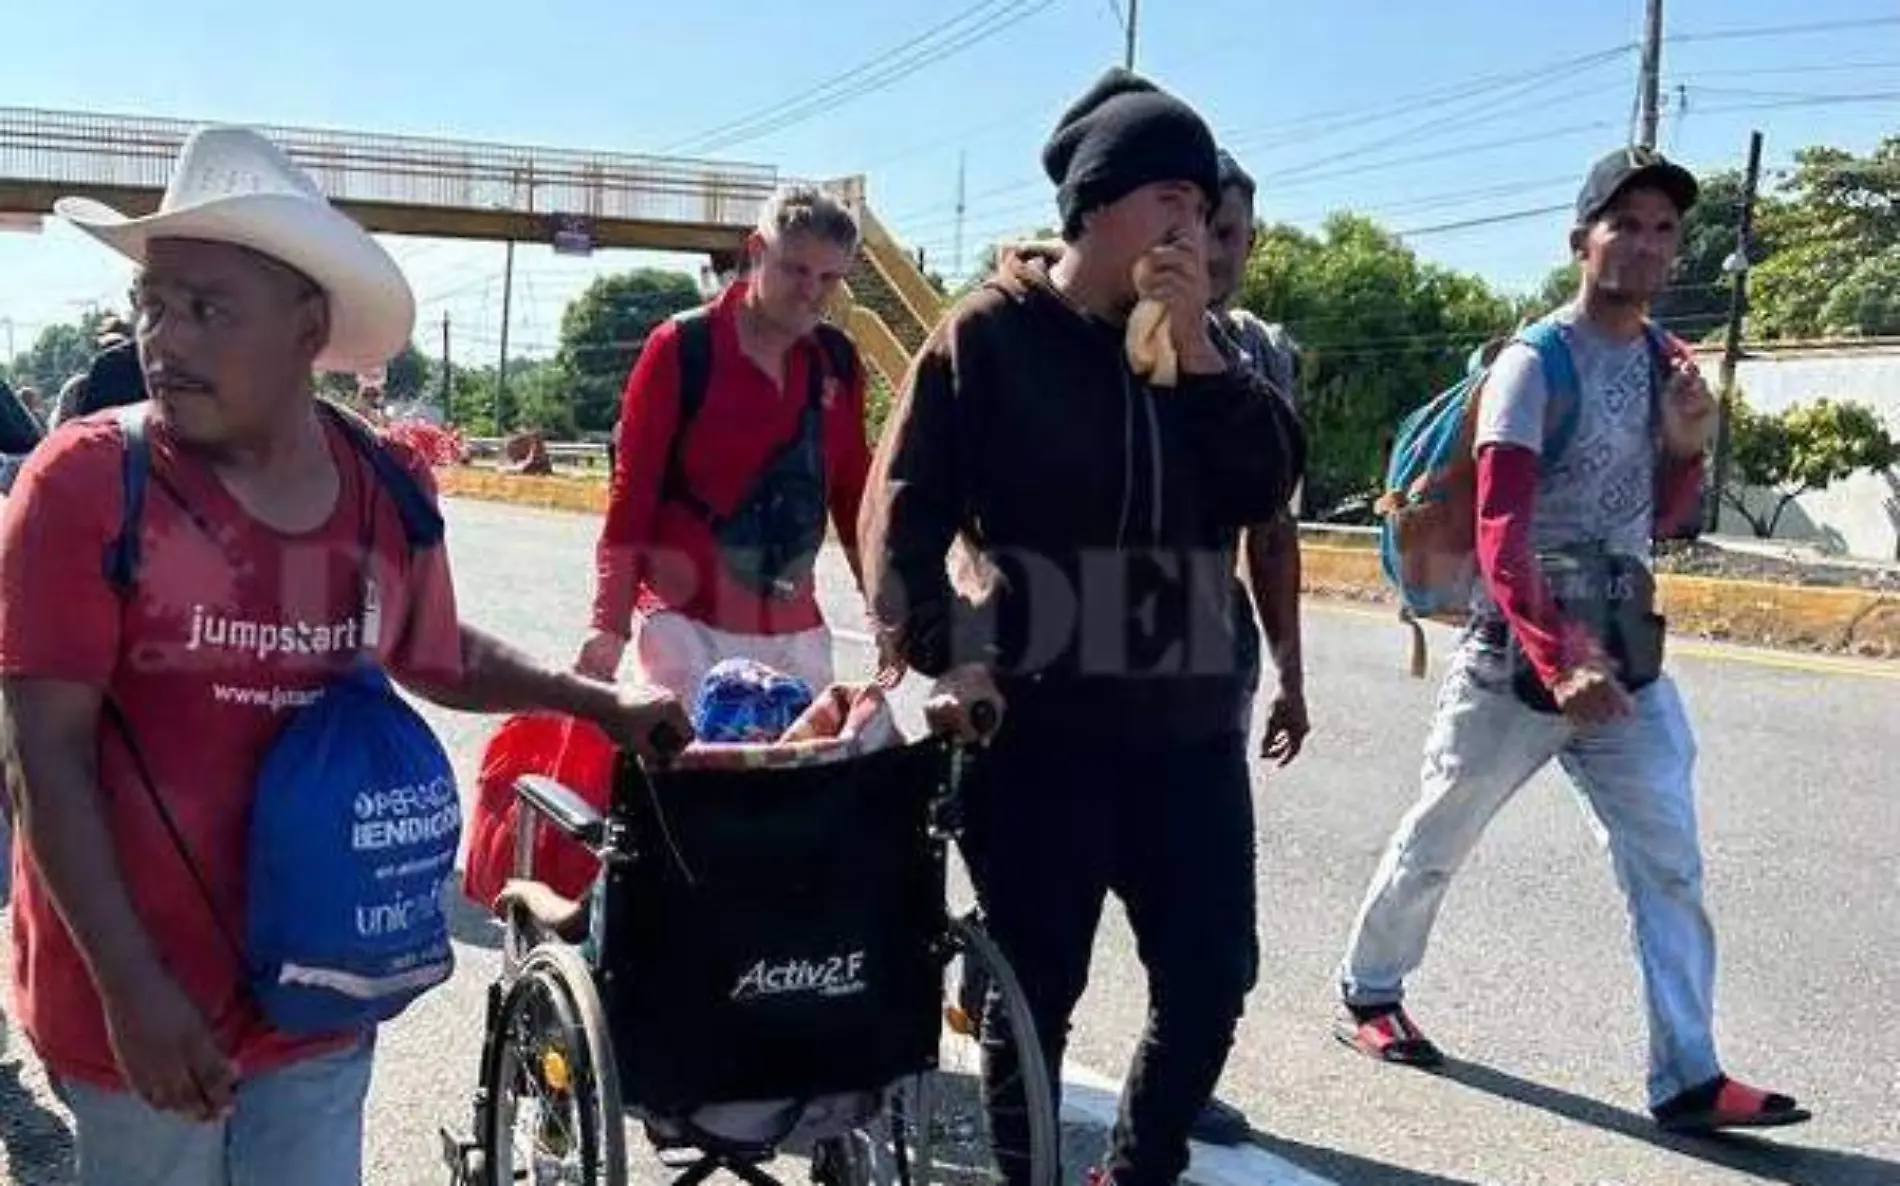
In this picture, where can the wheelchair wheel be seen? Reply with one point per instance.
(950, 1120)
(554, 1112)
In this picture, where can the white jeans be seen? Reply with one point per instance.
(675, 652)
(1637, 776)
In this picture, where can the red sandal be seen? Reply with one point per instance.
(1390, 1036)
(1723, 1103)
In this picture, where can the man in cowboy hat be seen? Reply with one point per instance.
(258, 513)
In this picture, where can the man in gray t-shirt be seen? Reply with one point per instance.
(1602, 488)
(1628, 749)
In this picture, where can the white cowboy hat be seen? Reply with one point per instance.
(231, 185)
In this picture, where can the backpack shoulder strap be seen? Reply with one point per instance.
(1561, 386)
(695, 345)
(840, 352)
(135, 470)
(1659, 367)
(422, 523)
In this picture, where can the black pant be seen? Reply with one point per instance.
(1054, 825)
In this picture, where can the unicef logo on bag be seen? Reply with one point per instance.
(353, 841)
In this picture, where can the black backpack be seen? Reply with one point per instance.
(770, 541)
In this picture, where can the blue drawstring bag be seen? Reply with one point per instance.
(352, 842)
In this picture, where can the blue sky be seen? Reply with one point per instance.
(1365, 104)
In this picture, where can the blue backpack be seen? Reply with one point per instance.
(1428, 514)
(356, 821)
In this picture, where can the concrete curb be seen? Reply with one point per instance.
(1795, 617)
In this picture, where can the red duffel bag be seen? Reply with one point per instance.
(574, 753)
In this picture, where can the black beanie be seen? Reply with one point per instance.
(1123, 134)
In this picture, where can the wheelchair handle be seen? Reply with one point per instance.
(668, 742)
(983, 718)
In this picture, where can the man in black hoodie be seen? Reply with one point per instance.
(1092, 519)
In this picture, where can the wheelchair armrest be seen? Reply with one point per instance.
(563, 808)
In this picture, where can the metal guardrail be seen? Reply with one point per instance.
(581, 454)
(592, 455)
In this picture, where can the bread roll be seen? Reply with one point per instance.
(1150, 343)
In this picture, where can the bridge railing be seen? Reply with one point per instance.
(136, 152)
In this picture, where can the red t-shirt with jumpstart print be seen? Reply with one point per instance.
(231, 626)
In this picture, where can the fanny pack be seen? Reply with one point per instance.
(1614, 598)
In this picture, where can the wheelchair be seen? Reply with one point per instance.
(772, 969)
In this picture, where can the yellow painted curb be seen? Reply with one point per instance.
(584, 495)
(1801, 617)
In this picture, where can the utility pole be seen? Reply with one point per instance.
(956, 256)
(1737, 267)
(501, 372)
(1649, 96)
(1134, 18)
(448, 371)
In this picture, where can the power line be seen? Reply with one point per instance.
(1785, 30)
(837, 80)
(1340, 119)
(1328, 121)
(1487, 220)
(1494, 110)
(968, 28)
(1809, 68)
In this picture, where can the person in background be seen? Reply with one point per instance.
(20, 434)
(113, 378)
(714, 519)
(1272, 549)
(1536, 679)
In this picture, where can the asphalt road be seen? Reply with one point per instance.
(1529, 985)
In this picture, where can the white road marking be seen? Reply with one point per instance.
(1090, 1098)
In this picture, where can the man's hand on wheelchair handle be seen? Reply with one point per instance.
(965, 704)
(647, 719)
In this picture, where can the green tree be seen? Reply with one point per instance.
(542, 393)
(1559, 288)
(602, 333)
(1381, 331)
(1868, 301)
(1808, 447)
(1835, 214)
(1696, 303)
(406, 376)
(472, 401)
(59, 353)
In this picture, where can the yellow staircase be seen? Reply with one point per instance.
(892, 307)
